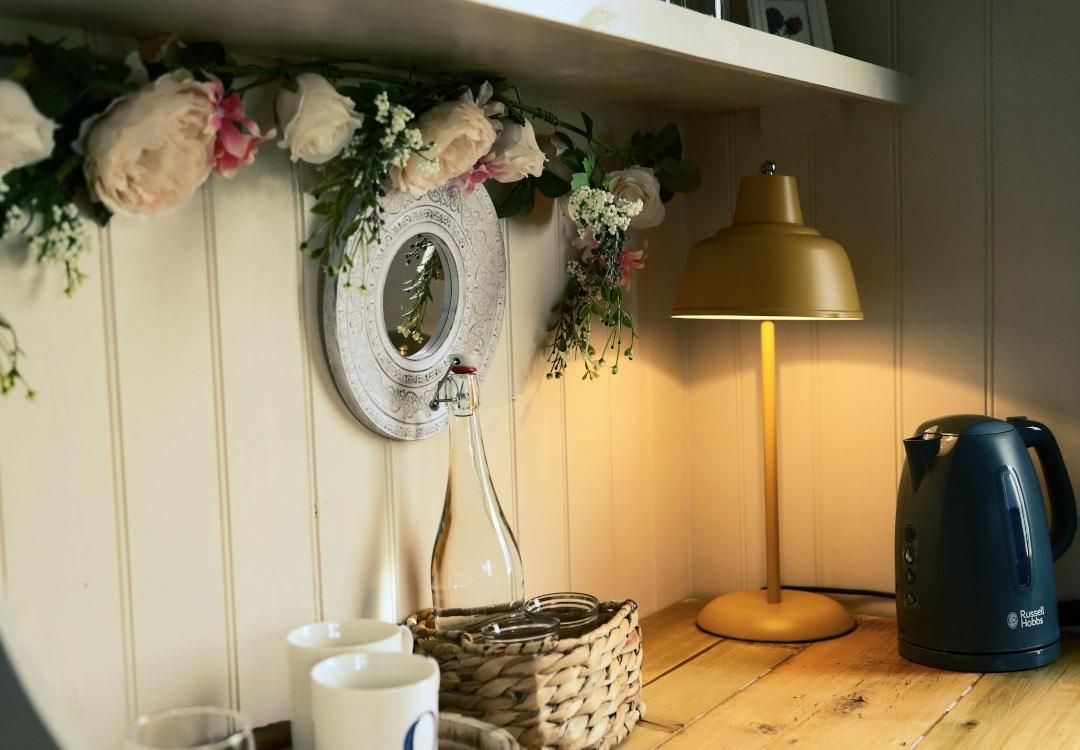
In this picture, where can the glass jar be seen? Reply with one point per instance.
(518, 627)
(577, 613)
(475, 567)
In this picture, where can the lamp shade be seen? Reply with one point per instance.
(768, 264)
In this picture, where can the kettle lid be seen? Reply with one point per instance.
(964, 425)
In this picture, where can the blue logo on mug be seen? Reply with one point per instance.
(410, 737)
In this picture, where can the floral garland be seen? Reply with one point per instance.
(83, 134)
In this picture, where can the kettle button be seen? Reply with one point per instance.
(909, 533)
(909, 576)
(909, 599)
(909, 555)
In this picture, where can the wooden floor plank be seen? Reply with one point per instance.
(671, 637)
(644, 737)
(690, 690)
(1039, 708)
(854, 691)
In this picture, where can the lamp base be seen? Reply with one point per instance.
(799, 616)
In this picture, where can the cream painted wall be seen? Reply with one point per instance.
(188, 486)
(959, 215)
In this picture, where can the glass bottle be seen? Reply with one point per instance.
(476, 566)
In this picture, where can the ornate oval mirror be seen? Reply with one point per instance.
(434, 286)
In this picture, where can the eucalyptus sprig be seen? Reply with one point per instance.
(429, 269)
(10, 377)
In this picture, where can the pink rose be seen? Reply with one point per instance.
(238, 137)
(459, 133)
(152, 149)
(630, 260)
(514, 156)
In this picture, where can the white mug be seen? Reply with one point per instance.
(311, 644)
(376, 701)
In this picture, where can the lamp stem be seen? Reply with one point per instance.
(768, 431)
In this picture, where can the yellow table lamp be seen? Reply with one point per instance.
(769, 266)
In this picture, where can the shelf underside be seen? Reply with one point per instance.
(640, 52)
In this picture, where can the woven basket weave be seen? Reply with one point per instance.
(564, 693)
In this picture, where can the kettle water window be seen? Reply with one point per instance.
(1019, 531)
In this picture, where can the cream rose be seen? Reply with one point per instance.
(317, 122)
(515, 154)
(639, 184)
(460, 133)
(26, 136)
(151, 150)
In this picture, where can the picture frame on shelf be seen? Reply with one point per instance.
(805, 21)
(714, 8)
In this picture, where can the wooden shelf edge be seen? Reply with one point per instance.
(638, 52)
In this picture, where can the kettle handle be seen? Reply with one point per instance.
(1062, 502)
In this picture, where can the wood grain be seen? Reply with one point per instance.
(672, 638)
(1037, 708)
(707, 680)
(644, 737)
(847, 692)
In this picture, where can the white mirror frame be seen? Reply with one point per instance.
(391, 394)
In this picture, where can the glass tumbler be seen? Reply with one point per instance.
(576, 613)
(191, 728)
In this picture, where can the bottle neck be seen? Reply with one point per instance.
(466, 445)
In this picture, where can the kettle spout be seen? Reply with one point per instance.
(921, 450)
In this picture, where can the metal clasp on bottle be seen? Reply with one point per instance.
(439, 398)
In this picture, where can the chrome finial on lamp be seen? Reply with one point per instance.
(769, 266)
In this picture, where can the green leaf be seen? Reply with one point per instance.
(323, 209)
(564, 139)
(50, 95)
(678, 176)
(363, 95)
(101, 213)
(588, 125)
(650, 148)
(519, 202)
(667, 142)
(200, 54)
(552, 185)
(584, 178)
(574, 160)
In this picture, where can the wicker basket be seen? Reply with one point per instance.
(568, 693)
(457, 732)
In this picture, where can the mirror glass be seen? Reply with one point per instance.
(417, 296)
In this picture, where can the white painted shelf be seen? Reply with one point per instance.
(630, 51)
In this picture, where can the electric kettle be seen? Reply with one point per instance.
(974, 550)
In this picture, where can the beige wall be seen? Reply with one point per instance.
(960, 218)
(189, 487)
